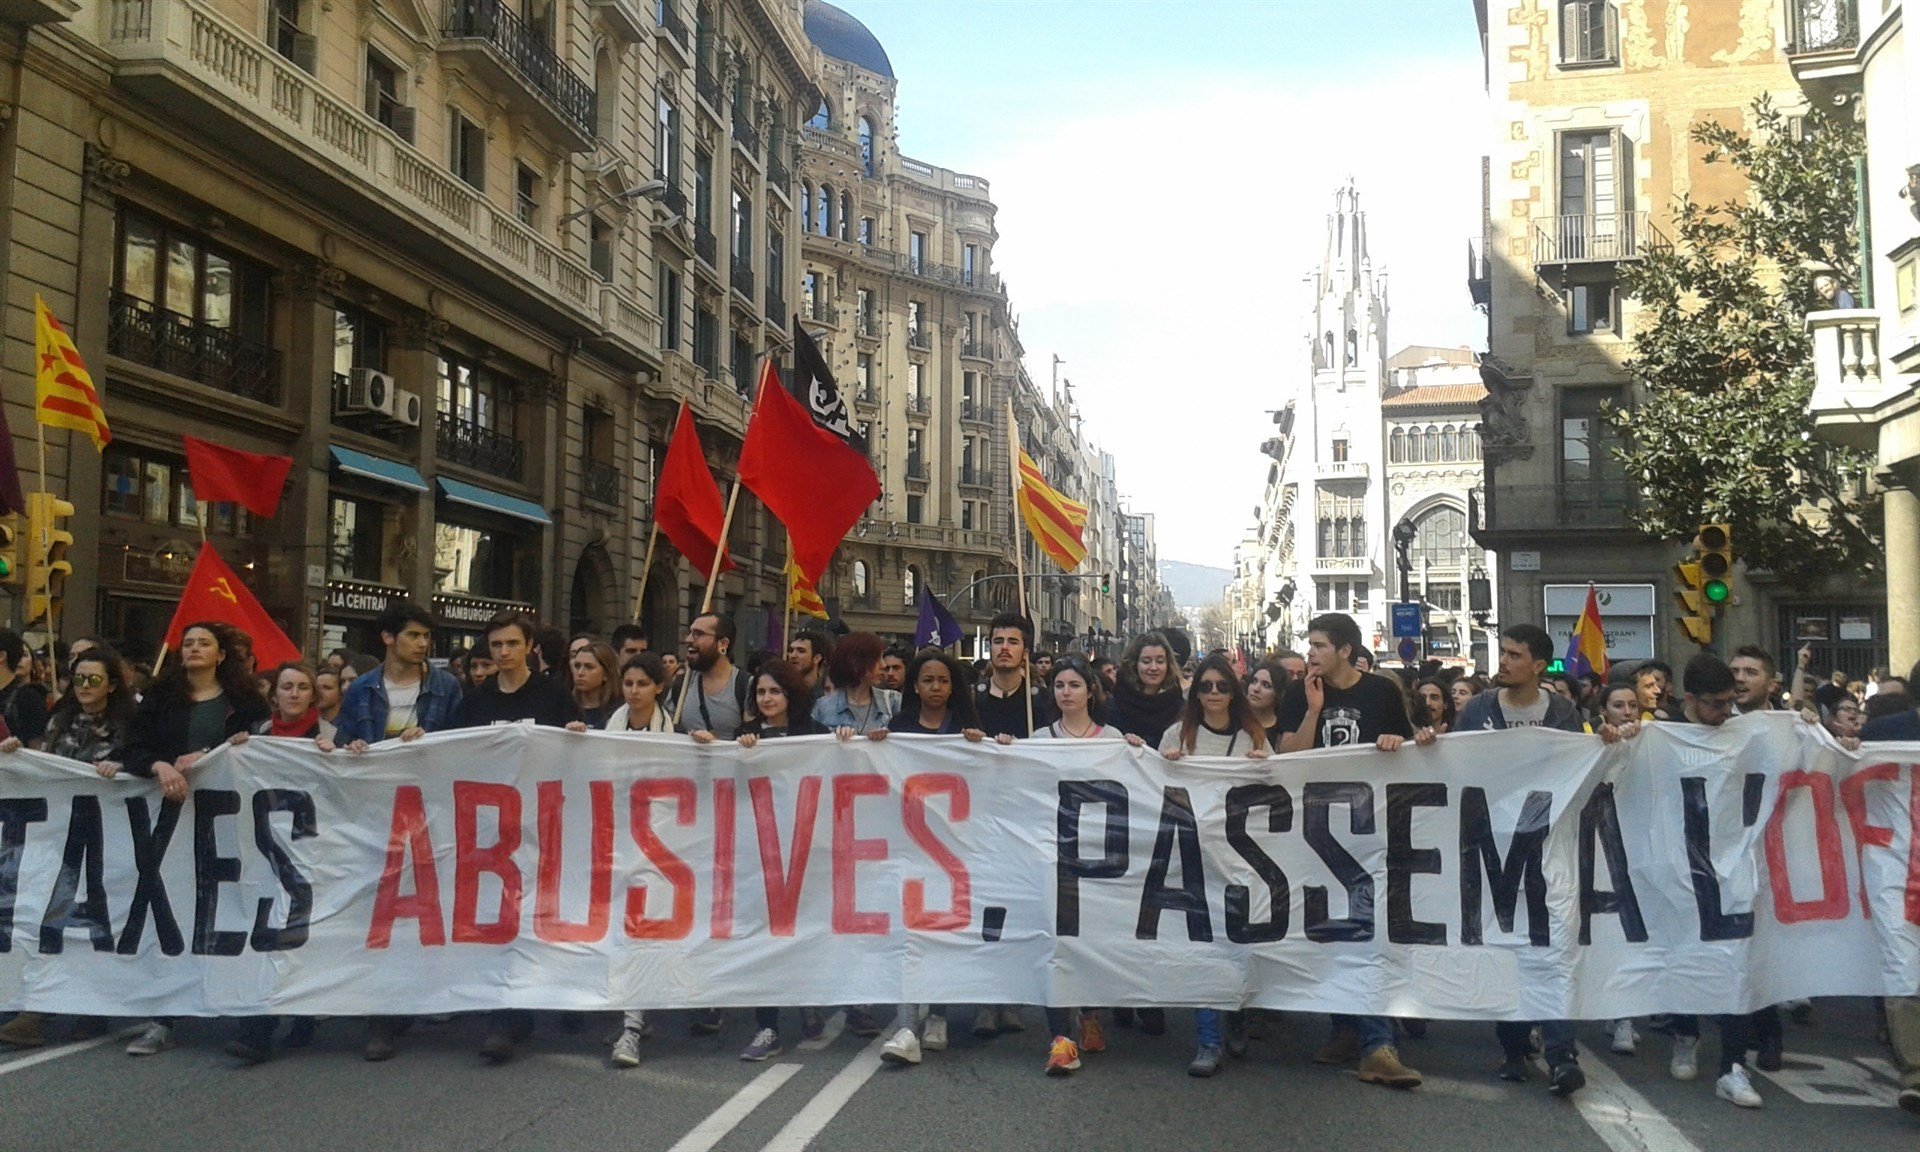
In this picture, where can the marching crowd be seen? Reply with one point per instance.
(95, 708)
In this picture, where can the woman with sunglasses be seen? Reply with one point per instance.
(89, 724)
(1217, 721)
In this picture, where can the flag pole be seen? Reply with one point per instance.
(786, 618)
(646, 569)
(40, 544)
(1019, 558)
(719, 554)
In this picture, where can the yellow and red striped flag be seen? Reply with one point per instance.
(1055, 521)
(801, 595)
(64, 396)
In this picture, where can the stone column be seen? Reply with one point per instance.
(103, 178)
(415, 363)
(302, 527)
(1903, 573)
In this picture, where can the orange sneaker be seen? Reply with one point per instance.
(1092, 1038)
(1063, 1057)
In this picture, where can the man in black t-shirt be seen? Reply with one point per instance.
(1002, 698)
(1339, 706)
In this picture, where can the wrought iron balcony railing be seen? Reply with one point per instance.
(600, 481)
(528, 56)
(170, 342)
(741, 270)
(463, 441)
(1822, 26)
(1594, 238)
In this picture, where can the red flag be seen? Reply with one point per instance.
(813, 481)
(11, 498)
(687, 503)
(213, 592)
(247, 478)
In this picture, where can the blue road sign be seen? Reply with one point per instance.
(1409, 649)
(1406, 621)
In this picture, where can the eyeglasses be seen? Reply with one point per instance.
(89, 680)
(696, 634)
(1216, 686)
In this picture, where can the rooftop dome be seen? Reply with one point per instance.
(844, 38)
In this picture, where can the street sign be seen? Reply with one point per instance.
(1406, 621)
(1409, 649)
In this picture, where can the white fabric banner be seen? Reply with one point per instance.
(1521, 875)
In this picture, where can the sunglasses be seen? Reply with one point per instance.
(1216, 686)
(89, 680)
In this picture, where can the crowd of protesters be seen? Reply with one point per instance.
(1160, 697)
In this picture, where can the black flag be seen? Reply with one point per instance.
(812, 384)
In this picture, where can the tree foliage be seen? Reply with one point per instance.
(1721, 432)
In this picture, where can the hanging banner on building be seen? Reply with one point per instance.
(1525, 874)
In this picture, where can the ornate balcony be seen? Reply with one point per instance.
(921, 338)
(600, 481)
(975, 350)
(462, 441)
(216, 357)
(919, 406)
(1853, 391)
(1340, 470)
(1570, 506)
(1594, 238)
(745, 135)
(514, 58)
(1479, 275)
(1335, 565)
(705, 85)
(1817, 26)
(776, 305)
(741, 270)
(668, 20)
(706, 246)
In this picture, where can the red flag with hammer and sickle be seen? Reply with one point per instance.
(213, 592)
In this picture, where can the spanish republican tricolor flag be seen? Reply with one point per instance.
(63, 392)
(802, 597)
(1587, 647)
(1056, 522)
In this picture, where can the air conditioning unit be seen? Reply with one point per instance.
(366, 392)
(406, 407)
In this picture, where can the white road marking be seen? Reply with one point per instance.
(738, 1107)
(1814, 1079)
(836, 1024)
(820, 1111)
(1622, 1117)
(73, 1049)
(1881, 1067)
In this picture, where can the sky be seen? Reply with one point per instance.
(1163, 173)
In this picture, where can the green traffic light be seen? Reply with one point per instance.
(1716, 591)
(6, 568)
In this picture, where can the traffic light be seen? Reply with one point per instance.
(48, 542)
(11, 570)
(1690, 597)
(1714, 545)
(1106, 583)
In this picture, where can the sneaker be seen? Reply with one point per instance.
(1514, 1068)
(1153, 1021)
(933, 1037)
(24, 1031)
(1092, 1039)
(1010, 1020)
(861, 1023)
(1237, 1035)
(157, 1038)
(986, 1023)
(765, 1046)
(1771, 1056)
(1063, 1057)
(1206, 1062)
(248, 1053)
(707, 1022)
(1686, 1058)
(1341, 1049)
(1382, 1066)
(1566, 1079)
(1624, 1037)
(626, 1050)
(903, 1047)
(813, 1024)
(497, 1048)
(1737, 1089)
(1910, 1099)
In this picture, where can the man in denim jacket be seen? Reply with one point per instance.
(404, 697)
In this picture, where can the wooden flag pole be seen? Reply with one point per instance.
(646, 569)
(41, 543)
(786, 618)
(1019, 558)
(719, 554)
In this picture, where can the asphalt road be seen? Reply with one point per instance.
(691, 1094)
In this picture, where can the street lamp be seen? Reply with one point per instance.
(651, 190)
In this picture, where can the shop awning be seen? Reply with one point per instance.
(373, 468)
(475, 496)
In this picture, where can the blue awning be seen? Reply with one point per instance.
(373, 468)
(475, 496)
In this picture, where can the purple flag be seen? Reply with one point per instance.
(937, 626)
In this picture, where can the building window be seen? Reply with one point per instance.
(1470, 444)
(1440, 538)
(1595, 197)
(669, 282)
(359, 341)
(863, 306)
(917, 251)
(703, 191)
(140, 484)
(1353, 347)
(968, 255)
(913, 512)
(1340, 450)
(468, 158)
(776, 262)
(966, 515)
(471, 560)
(706, 342)
(845, 227)
(1342, 525)
(1587, 441)
(666, 141)
(806, 206)
(1589, 32)
(742, 228)
(600, 247)
(466, 391)
(180, 272)
(863, 375)
(287, 35)
(916, 397)
(910, 583)
(1449, 444)
(822, 119)
(915, 462)
(382, 95)
(1592, 308)
(526, 195)
(357, 534)
(916, 311)
(743, 365)
(866, 230)
(1397, 447)
(969, 394)
(822, 209)
(866, 145)
(978, 589)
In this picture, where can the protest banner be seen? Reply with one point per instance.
(1523, 875)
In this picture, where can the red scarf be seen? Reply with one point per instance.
(307, 725)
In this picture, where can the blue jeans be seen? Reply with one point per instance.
(1206, 1026)
(1375, 1031)
(1557, 1035)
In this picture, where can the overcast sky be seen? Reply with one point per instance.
(1164, 173)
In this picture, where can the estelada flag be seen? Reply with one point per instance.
(219, 474)
(687, 504)
(1587, 647)
(802, 597)
(813, 481)
(1055, 521)
(64, 396)
(214, 593)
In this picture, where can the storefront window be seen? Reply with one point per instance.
(358, 531)
(469, 561)
(156, 488)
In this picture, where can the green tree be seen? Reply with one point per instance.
(1720, 433)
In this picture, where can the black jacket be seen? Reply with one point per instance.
(159, 729)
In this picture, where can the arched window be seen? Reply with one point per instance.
(1449, 444)
(866, 145)
(1433, 444)
(821, 209)
(910, 586)
(1470, 444)
(1327, 346)
(846, 216)
(979, 586)
(1353, 347)
(1441, 538)
(822, 119)
(1397, 453)
(806, 203)
(860, 579)
(1414, 454)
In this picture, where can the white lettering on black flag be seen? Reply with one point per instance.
(1524, 875)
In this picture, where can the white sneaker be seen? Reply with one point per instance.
(1736, 1088)
(157, 1038)
(903, 1048)
(1686, 1058)
(626, 1050)
(933, 1036)
(1623, 1036)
